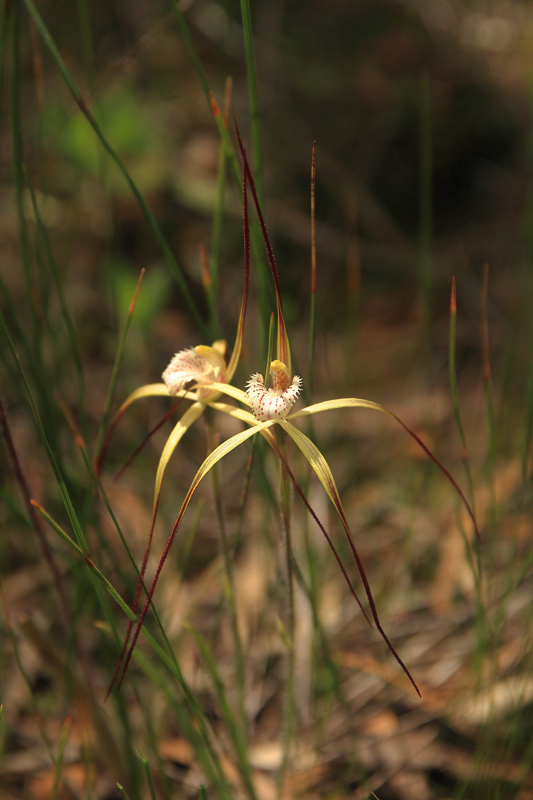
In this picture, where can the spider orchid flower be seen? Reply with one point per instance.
(197, 366)
(265, 407)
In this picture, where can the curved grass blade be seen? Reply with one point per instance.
(253, 95)
(455, 393)
(116, 365)
(150, 218)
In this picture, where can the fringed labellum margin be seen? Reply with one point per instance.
(274, 403)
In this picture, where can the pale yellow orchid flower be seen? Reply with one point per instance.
(269, 407)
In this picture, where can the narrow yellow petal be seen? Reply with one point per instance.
(181, 427)
(231, 391)
(342, 402)
(318, 462)
(151, 390)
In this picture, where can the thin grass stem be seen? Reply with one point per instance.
(240, 673)
(289, 700)
(114, 372)
(455, 394)
(426, 204)
(487, 382)
(312, 312)
(253, 95)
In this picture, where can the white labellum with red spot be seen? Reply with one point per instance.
(274, 403)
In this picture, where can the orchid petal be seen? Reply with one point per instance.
(181, 427)
(321, 467)
(354, 402)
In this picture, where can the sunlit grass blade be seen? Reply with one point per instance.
(149, 216)
(321, 467)
(455, 393)
(166, 659)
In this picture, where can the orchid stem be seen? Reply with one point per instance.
(288, 722)
(228, 589)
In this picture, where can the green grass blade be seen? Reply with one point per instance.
(59, 760)
(426, 203)
(87, 42)
(148, 773)
(67, 318)
(253, 94)
(312, 314)
(234, 728)
(455, 394)
(17, 160)
(151, 220)
(487, 382)
(116, 367)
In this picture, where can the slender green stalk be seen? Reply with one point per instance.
(487, 381)
(290, 706)
(116, 367)
(455, 394)
(5, 6)
(253, 94)
(87, 40)
(265, 286)
(67, 318)
(426, 204)
(526, 445)
(312, 316)
(17, 160)
(229, 591)
(218, 218)
(59, 760)
(36, 524)
(235, 728)
(148, 773)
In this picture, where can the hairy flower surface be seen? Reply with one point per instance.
(274, 403)
(196, 365)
